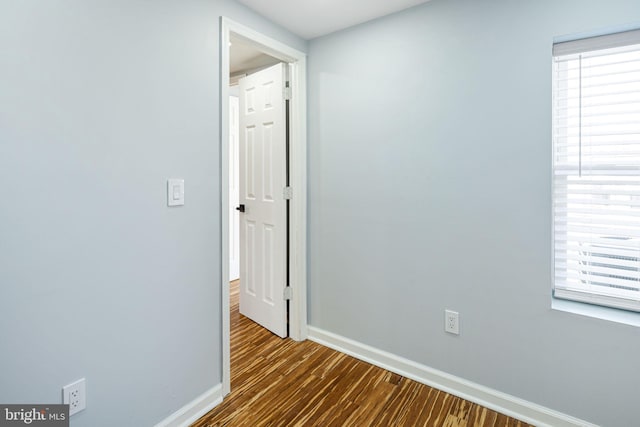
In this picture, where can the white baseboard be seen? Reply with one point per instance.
(501, 402)
(193, 410)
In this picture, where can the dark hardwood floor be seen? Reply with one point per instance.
(276, 382)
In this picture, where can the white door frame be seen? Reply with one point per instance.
(298, 181)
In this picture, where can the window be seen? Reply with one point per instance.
(596, 170)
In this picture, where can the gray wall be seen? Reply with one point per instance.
(429, 162)
(100, 103)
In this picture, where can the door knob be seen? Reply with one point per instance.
(240, 208)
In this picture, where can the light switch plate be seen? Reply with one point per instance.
(175, 192)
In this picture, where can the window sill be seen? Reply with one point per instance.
(604, 313)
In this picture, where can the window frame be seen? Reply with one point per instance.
(608, 295)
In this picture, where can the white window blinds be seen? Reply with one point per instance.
(596, 170)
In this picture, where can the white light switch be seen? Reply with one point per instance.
(175, 192)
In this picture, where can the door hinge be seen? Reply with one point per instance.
(288, 293)
(288, 193)
(286, 92)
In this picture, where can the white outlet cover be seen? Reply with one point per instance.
(75, 395)
(452, 322)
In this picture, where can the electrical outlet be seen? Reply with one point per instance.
(75, 396)
(452, 322)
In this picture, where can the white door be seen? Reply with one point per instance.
(262, 181)
(234, 188)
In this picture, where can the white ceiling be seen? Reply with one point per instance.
(314, 18)
(244, 58)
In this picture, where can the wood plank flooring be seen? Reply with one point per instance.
(276, 382)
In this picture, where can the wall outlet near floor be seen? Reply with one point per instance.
(452, 322)
(75, 395)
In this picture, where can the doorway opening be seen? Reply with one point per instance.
(296, 240)
(262, 188)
